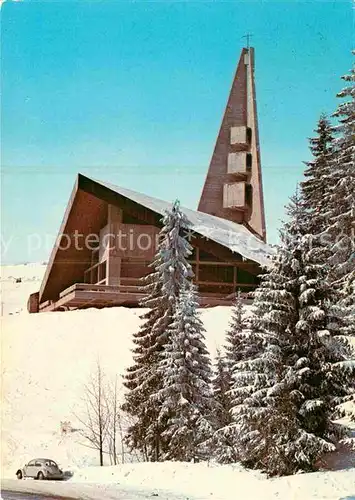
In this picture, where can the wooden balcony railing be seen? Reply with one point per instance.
(136, 289)
(100, 288)
(81, 295)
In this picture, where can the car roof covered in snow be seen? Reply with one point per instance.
(42, 459)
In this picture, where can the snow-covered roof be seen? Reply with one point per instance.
(231, 235)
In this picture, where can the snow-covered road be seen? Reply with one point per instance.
(15, 495)
(12, 489)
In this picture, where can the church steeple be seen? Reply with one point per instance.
(233, 187)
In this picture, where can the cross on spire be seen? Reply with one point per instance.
(248, 36)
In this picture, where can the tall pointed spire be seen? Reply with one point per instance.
(233, 187)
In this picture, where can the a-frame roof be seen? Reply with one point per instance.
(86, 213)
(231, 235)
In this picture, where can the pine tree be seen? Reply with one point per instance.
(340, 215)
(284, 422)
(347, 304)
(234, 335)
(255, 372)
(315, 193)
(162, 287)
(332, 222)
(221, 384)
(222, 442)
(241, 344)
(315, 186)
(186, 399)
(329, 203)
(340, 198)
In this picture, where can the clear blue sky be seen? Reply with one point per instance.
(133, 93)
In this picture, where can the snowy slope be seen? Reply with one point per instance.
(46, 360)
(14, 295)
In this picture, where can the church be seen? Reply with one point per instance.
(109, 234)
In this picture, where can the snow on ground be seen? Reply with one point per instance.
(92, 491)
(46, 360)
(14, 295)
(226, 482)
(186, 481)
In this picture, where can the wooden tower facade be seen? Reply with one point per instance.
(233, 186)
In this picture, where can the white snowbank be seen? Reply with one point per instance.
(226, 482)
(183, 481)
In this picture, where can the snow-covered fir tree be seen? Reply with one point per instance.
(345, 309)
(340, 198)
(241, 344)
(347, 305)
(329, 207)
(234, 335)
(341, 201)
(254, 372)
(186, 403)
(221, 384)
(315, 185)
(222, 442)
(315, 191)
(283, 417)
(171, 273)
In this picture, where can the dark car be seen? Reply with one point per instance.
(40, 468)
